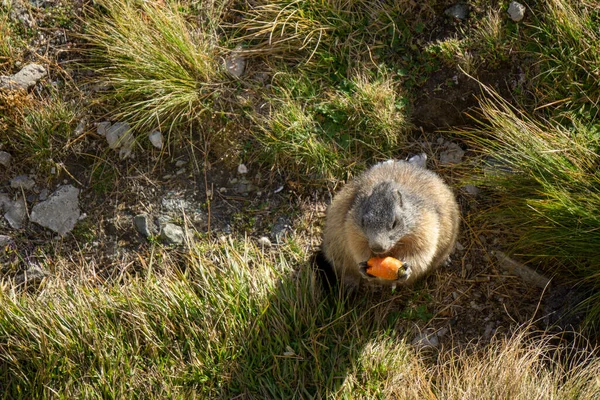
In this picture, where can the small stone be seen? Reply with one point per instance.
(33, 275)
(459, 246)
(119, 137)
(180, 171)
(22, 182)
(27, 77)
(172, 234)
(80, 128)
(452, 155)
(280, 229)
(419, 160)
(459, 11)
(242, 169)
(156, 139)
(60, 212)
(143, 224)
(235, 64)
(424, 340)
(102, 128)
(516, 11)
(5, 201)
(43, 195)
(180, 163)
(16, 214)
(5, 241)
(264, 241)
(5, 158)
(472, 190)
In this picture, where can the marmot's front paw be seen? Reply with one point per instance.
(405, 273)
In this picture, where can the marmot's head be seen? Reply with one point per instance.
(385, 215)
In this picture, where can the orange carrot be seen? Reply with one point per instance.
(384, 268)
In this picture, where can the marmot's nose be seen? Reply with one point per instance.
(377, 248)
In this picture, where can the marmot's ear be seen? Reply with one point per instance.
(399, 194)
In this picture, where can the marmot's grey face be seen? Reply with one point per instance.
(384, 216)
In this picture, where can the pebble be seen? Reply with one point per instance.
(419, 160)
(235, 64)
(242, 169)
(172, 234)
(43, 195)
(119, 136)
(5, 240)
(516, 11)
(5, 158)
(264, 242)
(144, 225)
(452, 155)
(102, 128)
(180, 163)
(16, 214)
(22, 182)
(27, 77)
(459, 11)
(80, 128)
(156, 138)
(472, 190)
(60, 212)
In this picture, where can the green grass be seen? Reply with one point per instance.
(237, 322)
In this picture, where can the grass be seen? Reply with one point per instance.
(220, 329)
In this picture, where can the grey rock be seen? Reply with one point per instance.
(280, 229)
(16, 214)
(516, 11)
(424, 340)
(22, 182)
(172, 234)
(452, 154)
(264, 242)
(33, 275)
(144, 225)
(5, 158)
(102, 128)
(235, 64)
(175, 205)
(60, 212)
(180, 163)
(156, 138)
(43, 195)
(119, 136)
(472, 190)
(5, 240)
(459, 11)
(27, 77)
(419, 160)
(80, 128)
(5, 201)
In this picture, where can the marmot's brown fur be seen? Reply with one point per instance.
(395, 209)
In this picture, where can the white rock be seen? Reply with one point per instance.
(119, 136)
(172, 234)
(516, 11)
(419, 160)
(5, 241)
(80, 128)
(235, 64)
(264, 241)
(5, 158)
(60, 212)
(242, 169)
(27, 77)
(16, 214)
(156, 139)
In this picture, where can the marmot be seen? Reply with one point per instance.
(397, 209)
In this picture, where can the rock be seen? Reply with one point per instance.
(235, 64)
(176, 205)
(144, 225)
(172, 234)
(180, 163)
(242, 169)
(60, 212)
(452, 154)
(280, 229)
(119, 136)
(424, 340)
(16, 214)
(22, 182)
(458, 11)
(472, 190)
(5, 158)
(43, 195)
(516, 11)
(5, 241)
(102, 128)
(33, 275)
(156, 139)
(419, 160)
(27, 77)
(80, 128)
(264, 242)
(5, 201)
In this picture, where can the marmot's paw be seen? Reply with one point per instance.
(405, 273)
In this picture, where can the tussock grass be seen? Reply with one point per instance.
(323, 131)
(160, 69)
(238, 322)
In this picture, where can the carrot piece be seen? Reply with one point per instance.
(384, 268)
